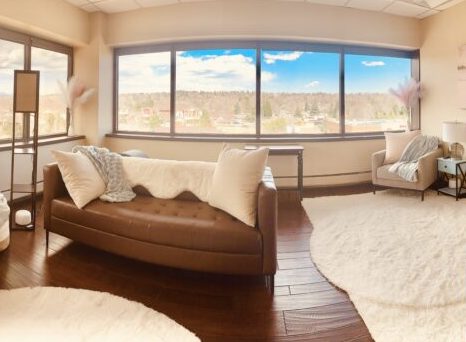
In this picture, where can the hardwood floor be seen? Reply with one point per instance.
(217, 308)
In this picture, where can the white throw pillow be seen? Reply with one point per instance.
(80, 176)
(395, 144)
(235, 182)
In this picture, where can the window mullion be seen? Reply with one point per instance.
(258, 91)
(342, 92)
(172, 90)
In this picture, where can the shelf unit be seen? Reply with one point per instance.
(26, 103)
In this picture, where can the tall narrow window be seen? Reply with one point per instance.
(300, 92)
(11, 58)
(215, 91)
(53, 67)
(368, 105)
(144, 92)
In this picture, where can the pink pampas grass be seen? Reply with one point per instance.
(408, 92)
(75, 92)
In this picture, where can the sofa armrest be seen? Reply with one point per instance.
(377, 161)
(267, 210)
(53, 188)
(427, 168)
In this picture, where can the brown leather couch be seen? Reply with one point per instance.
(183, 232)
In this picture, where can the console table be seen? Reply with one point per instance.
(286, 150)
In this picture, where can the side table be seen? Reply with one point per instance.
(282, 150)
(451, 168)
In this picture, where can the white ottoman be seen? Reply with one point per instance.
(4, 223)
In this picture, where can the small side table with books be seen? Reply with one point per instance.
(451, 169)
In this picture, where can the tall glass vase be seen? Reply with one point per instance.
(409, 120)
(71, 123)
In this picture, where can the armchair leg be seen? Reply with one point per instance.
(374, 188)
(422, 196)
(46, 239)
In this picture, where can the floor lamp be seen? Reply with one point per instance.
(25, 102)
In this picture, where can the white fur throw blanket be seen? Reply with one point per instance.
(168, 178)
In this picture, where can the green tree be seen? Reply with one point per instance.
(315, 109)
(298, 113)
(306, 107)
(205, 120)
(155, 122)
(237, 108)
(267, 110)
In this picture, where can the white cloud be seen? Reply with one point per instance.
(373, 63)
(271, 58)
(151, 72)
(313, 84)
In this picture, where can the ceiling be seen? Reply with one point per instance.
(408, 8)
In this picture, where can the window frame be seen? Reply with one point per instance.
(259, 46)
(28, 43)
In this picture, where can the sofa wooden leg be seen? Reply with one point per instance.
(422, 196)
(373, 189)
(270, 283)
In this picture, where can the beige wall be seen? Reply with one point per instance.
(442, 35)
(266, 20)
(51, 19)
(94, 66)
(261, 19)
(93, 34)
(321, 159)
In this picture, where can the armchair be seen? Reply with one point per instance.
(427, 173)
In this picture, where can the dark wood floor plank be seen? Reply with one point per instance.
(305, 307)
(293, 255)
(316, 319)
(295, 263)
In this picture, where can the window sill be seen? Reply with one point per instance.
(44, 142)
(267, 139)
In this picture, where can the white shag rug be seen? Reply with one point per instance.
(63, 314)
(401, 261)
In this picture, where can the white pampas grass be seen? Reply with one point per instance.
(74, 93)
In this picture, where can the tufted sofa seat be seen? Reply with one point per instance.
(182, 232)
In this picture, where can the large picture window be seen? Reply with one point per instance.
(11, 58)
(300, 92)
(260, 89)
(22, 52)
(144, 92)
(368, 105)
(53, 68)
(216, 91)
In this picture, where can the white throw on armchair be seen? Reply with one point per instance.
(427, 172)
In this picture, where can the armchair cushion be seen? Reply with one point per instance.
(395, 144)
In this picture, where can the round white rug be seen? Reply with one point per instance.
(62, 314)
(391, 247)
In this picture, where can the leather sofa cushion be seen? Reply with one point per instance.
(185, 224)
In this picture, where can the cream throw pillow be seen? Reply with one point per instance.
(80, 176)
(395, 144)
(235, 182)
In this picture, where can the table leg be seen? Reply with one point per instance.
(300, 175)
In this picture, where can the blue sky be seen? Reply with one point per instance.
(295, 71)
(282, 71)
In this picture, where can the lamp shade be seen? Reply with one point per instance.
(26, 91)
(454, 131)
